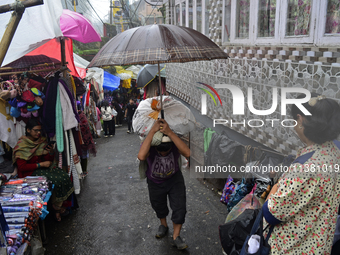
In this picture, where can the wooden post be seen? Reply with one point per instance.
(63, 55)
(25, 3)
(19, 8)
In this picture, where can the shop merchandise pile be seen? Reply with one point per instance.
(23, 202)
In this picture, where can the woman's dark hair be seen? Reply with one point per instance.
(105, 104)
(31, 124)
(324, 123)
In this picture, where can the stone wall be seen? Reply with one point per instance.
(262, 76)
(261, 68)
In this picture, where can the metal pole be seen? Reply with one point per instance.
(111, 12)
(160, 90)
(19, 8)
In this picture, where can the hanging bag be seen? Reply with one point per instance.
(234, 233)
(250, 201)
(208, 132)
(256, 235)
(4, 94)
(228, 189)
(240, 192)
(11, 91)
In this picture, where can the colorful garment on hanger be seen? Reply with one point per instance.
(59, 123)
(69, 120)
(88, 94)
(72, 100)
(49, 114)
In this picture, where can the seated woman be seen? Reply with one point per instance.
(304, 204)
(33, 157)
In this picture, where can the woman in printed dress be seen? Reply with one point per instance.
(304, 204)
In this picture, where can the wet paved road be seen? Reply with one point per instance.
(115, 216)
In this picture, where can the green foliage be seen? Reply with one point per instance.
(90, 52)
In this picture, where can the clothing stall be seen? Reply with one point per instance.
(39, 80)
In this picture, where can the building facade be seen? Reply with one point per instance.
(271, 43)
(148, 12)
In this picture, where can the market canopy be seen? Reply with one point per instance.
(52, 49)
(111, 82)
(38, 25)
(29, 61)
(80, 65)
(135, 69)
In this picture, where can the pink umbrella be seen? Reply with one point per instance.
(75, 26)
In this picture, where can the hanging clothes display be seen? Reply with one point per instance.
(59, 123)
(71, 165)
(69, 119)
(207, 138)
(49, 114)
(89, 144)
(7, 129)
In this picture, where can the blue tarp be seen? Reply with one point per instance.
(111, 82)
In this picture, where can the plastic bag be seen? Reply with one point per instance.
(224, 151)
(114, 113)
(179, 117)
(262, 186)
(261, 179)
(248, 202)
(240, 192)
(228, 189)
(234, 233)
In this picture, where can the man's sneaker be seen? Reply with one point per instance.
(129, 132)
(179, 243)
(116, 125)
(106, 136)
(111, 135)
(162, 231)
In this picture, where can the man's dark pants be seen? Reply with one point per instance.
(174, 188)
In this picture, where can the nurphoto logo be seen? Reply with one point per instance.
(239, 105)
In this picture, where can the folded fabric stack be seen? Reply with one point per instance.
(23, 202)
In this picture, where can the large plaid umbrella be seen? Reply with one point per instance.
(155, 44)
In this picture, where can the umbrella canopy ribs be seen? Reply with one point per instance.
(156, 44)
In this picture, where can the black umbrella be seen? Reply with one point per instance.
(148, 73)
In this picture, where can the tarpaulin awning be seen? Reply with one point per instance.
(96, 75)
(52, 49)
(111, 82)
(38, 25)
(29, 61)
(81, 65)
(135, 69)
